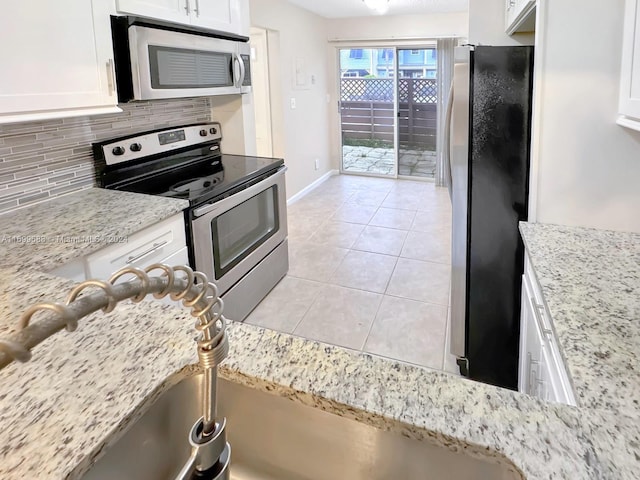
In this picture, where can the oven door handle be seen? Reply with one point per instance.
(243, 195)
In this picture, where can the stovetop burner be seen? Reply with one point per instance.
(194, 187)
(185, 166)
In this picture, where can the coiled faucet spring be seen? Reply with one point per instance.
(192, 288)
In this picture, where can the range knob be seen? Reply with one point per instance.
(213, 130)
(203, 133)
(118, 150)
(135, 147)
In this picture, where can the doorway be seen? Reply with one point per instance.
(389, 111)
(261, 88)
(367, 111)
(417, 111)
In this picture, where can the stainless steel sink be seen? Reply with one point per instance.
(277, 439)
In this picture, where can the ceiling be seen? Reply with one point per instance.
(356, 8)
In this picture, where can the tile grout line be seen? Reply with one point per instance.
(375, 315)
(324, 285)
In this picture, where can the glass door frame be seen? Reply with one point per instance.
(395, 46)
(412, 46)
(374, 46)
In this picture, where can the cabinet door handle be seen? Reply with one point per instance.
(197, 8)
(110, 77)
(156, 246)
(532, 377)
(512, 3)
(539, 312)
(186, 7)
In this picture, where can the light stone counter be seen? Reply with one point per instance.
(50, 234)
(590, 282)
(82, 389)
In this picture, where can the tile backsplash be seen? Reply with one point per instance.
(39, 160)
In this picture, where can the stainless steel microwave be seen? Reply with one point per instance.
(157, 60)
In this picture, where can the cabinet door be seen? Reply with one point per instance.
(153, 244)
(532, 378)
(520, 16)
(170, 10)
(223, 15)
(56, 56)
(629, 105)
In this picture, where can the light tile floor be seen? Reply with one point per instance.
(369, 270)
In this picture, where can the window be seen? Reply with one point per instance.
(356, 53)
(387, 54)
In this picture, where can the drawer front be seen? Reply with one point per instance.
(148, 246)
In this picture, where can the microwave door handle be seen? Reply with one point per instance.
(240, 77)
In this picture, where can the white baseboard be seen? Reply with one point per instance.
(312, 186)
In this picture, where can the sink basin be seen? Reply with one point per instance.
(274, 438)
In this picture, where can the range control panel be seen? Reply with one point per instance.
(136, 147)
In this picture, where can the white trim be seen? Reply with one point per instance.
(396, 41)
(537, 114)
(54, 114)
(312, 186)
(628, 122)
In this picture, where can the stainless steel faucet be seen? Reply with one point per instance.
(210, 452)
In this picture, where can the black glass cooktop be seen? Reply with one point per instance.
(196, 175)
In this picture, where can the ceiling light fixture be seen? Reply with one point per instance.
(378, 6)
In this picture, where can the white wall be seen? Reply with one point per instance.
(235, 114)
(487, 25)
(305, 130)
(398, 27)
(588, 167)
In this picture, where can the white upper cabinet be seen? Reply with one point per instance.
(221, 15)
(57, 60)
(520, 16)
(169, 10)
(629, 105)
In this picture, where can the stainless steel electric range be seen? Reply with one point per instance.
(237, 221)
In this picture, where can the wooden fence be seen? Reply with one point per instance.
(367, 110)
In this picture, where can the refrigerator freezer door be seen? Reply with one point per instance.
(498, 192)
(459, 156)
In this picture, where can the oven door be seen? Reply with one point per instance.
(233, 235)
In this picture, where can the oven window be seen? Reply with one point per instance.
(183, 68)
(239, 231)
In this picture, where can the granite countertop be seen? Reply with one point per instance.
(79, 392)
(50, 234)
(590, 282)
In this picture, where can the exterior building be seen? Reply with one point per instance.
(413, 63)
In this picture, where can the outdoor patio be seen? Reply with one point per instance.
(415, 163)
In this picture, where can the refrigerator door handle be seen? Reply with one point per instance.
(459, 165)
(447, 142)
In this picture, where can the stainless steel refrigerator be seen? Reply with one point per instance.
(489, 150)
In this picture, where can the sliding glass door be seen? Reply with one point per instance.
(387, 93)
(367, 111)
(417, 111)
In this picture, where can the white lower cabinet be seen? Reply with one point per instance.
(151, 245)
(542, 372)
(164, 242)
